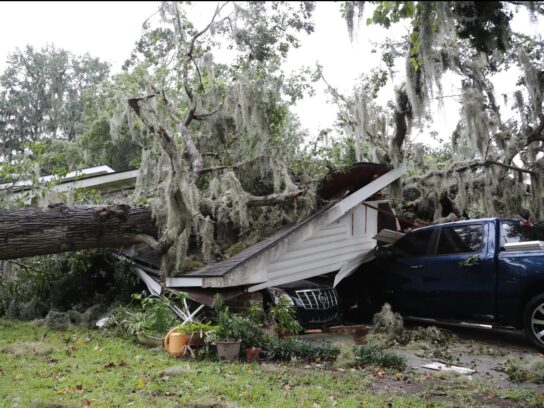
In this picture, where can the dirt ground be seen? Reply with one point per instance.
(479, 349)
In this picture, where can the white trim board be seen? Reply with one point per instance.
(181, 282)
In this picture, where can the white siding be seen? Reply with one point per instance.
(327, 250)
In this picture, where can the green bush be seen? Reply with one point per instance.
(158, 316)
(197, 327)
(291, 348)
(371, 355)
(127, 320)
(519, 371)
(245, 327)
(282, 317)
(63, 282)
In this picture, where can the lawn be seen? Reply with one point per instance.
(40, 367)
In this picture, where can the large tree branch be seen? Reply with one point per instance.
(537, 135)
(188, 57)
(32, 231)
(166, 141)
(196, 158)
(471, 165)
(229, 167)
(273, 199)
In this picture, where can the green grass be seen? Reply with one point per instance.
(90, 368)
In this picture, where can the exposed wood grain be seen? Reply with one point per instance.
(59, 228)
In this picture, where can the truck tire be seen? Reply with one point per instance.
(533, 321)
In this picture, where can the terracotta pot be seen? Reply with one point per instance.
(253, 353)
(228, 350)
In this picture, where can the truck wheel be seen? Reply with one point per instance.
(533, 321)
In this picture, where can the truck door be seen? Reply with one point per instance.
(461, 274)
(405, 286)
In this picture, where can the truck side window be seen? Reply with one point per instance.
(415, 243)
(459, 240)
(516, 231)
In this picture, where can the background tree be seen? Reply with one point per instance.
(40, 95)
(475, 42)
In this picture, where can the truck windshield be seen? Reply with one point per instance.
(518, 231)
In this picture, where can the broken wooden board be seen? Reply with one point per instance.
(437, 366)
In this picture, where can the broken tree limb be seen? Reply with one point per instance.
(537, 134)
(273, 199)
(59, 228)
(392, 214)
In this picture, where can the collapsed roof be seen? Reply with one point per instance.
(274, 260)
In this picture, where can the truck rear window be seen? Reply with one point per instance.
(519, 231)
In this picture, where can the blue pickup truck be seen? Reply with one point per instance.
(488, 271)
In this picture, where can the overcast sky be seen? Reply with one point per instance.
(108, 30)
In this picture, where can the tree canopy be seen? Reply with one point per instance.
(206, 112)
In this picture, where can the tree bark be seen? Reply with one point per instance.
(59, 228)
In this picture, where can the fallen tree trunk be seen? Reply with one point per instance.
(59, 228)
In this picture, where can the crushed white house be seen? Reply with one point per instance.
(336, 239)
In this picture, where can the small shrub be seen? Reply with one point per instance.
(346, 358)
(293, 348)
(58, 320)
(520, 372)
(231, 326)
(63, 282)
(154, 316)
(431, 334)
(388, 322)
(282, 317)
(372, 355)
(128, 321)
(197, 327)
(389, 330)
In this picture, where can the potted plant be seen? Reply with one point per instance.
(282, 317)
(236, 329)
(196, 332)
(253, 353)
(229, 334)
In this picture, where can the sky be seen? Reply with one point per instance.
(108, 30)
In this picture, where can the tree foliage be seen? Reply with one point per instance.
(40, 95)
(205, 111)
(219, 140)
(474, 42)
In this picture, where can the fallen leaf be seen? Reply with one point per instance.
(110, 365)
(86, 403)
(141, 382)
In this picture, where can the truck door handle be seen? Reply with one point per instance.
(416, 266)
